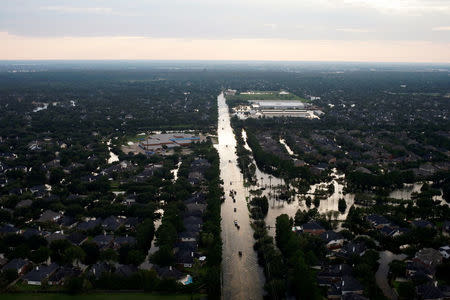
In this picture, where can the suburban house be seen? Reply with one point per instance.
(332, 239)
(312, 228)
(18, 264)
(39, 274)
(378, 221)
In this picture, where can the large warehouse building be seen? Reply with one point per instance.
(170, 140)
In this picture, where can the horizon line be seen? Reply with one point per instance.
(218, 60)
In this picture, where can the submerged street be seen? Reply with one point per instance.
(242, 277)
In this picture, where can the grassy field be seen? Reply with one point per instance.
(266, 95)
(116, 296)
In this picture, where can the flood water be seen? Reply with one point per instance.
(242, 277)
(386, 257)
(112, 156)
(147, 265)
(272, 185)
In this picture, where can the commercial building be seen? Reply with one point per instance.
(157, 142)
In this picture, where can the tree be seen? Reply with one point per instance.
(58, 249)
(163, 257)
(262, 203)
(406, 290)
(342, 205)
(92, 253)
(40, 255)
(135, 257)
(74, 254)
(109, 255)
(144, 234)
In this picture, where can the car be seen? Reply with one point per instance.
(235, 209)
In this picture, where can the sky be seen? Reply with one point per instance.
(303, 30)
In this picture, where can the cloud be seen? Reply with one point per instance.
(441, 28)
(271, 26)
(403, 7)
(79, 10)
(354, 30)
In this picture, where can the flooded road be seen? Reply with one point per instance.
(386, 257)
(242, 278)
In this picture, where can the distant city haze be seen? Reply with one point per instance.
(319, 30)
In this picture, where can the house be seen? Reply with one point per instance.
(131, 223)
(112, 223)
(39, 274)
(89, 224)
(77, 238)
(125, 270)
(192, 224)
(332, 239)
(422, 224)
(195, 178)
(119, 241)
(103, 241)
(333, 273)
(196, 198)
(9, 229)
(18, 264)
(185, 253)
(429, 258)
(54, 236)
(427, 169)
(195, 209)
(49, 216)
(313, 228)
(38, 189)
(200, 164)
(348, 285)
(67, 221)
(62, 274)
(24, 203)
(388, 231)
(429, 291)
(188, 236)
(168, 272)
(100, 268)
(378, 221)
(29, 232)
(352, 249)
(416, 271)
